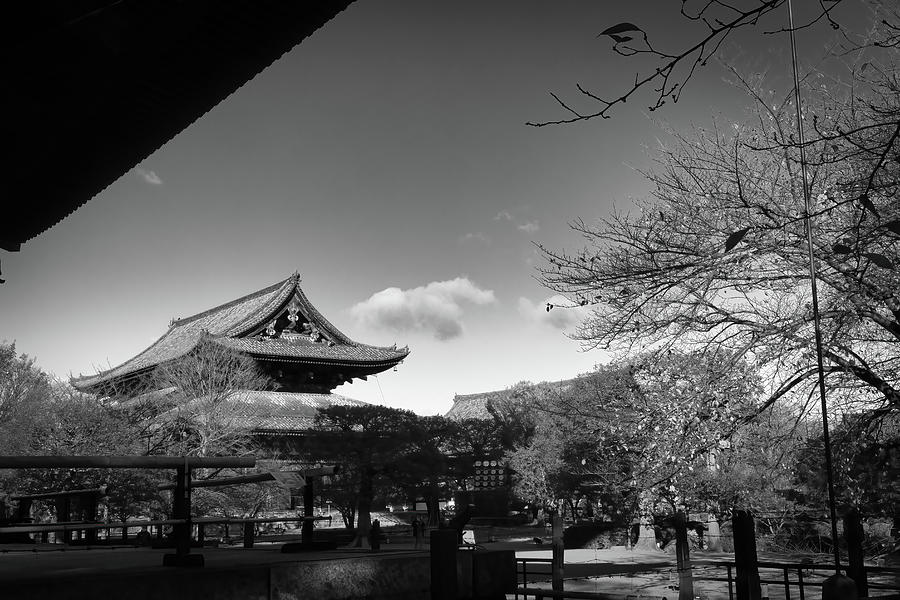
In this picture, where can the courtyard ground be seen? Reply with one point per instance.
(615, 571)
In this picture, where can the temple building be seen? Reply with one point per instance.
(302, 353)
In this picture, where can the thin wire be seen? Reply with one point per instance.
(379, 388)
(815, 297)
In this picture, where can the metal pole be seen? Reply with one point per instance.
(815, 296)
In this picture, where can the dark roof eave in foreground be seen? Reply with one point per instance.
(99, 86)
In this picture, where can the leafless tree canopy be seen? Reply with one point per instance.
(717, 256)
(672, 69)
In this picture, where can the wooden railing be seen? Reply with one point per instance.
(801, 581)
(68, 527)
(794, 577)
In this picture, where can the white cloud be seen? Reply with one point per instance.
(435, 308)
(475, 237)
(503, 215)
(149, 176)
(564, 315)
(529, 227)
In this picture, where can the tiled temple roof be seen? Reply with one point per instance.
(241, 325)
(273, 413)
(475, 406)
(285, 412)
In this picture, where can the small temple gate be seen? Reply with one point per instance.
(302, 353)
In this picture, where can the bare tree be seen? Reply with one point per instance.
(201, 402)
(669, 70)
(716, 258)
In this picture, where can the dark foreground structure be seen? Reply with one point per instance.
(258, 574)
(96, 86)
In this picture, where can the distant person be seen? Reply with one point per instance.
(143, 537)
(421, 537)
(415, 532)
(375, 535)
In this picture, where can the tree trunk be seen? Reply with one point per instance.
(434, 511)
(647, 532)
(713, 534)
(572, 511)
(349, 517)
(363, 523)
(364, 509)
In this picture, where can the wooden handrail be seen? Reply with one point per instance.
(125, 462)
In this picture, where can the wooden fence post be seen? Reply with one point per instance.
(559, 553)
(747, 578)
(249, 528)
(309, 497)
(181, 507)
(683, 556)
(444, 546)
(91, 501)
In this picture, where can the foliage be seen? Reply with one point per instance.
(342, 490)
(244, 501)
(371, 442)
(573, 432)
(641, 433)
(866, 467)
(716, 260)
(425, 468)
(752, 470)
(190, 406)
(73, 423)
(24, 390)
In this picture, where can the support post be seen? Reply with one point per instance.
(23, 511)
(856, 568)
(64, 514)
(306, 532)
(558, 553)
(683, 557)
(181, 507)
(747, 578)
(91, 515)
(249, 531)
(443, 564)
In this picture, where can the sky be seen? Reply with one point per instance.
(387, 159)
